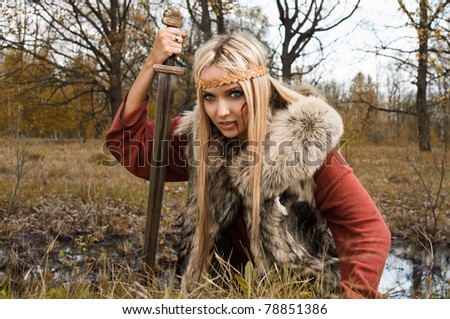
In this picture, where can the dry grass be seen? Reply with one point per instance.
(71, 188)
(399, 178)
(72, 197)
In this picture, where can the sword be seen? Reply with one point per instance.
(159, 157)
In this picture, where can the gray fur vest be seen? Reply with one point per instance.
(292, 232)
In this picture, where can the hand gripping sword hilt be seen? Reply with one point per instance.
(172, 17)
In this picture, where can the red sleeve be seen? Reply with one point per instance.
(130, 141)
(361, 235)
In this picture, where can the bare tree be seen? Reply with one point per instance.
(209, 15)
(301, 22)
(428, 18)
(101, 31)
(199, 13)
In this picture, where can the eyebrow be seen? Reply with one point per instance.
(233, 88)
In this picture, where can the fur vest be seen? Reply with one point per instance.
(292, 232)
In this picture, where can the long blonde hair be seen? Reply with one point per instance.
(235, 54)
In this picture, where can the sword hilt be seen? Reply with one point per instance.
(172, 17)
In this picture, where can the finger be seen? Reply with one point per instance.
(176, 48)
(170, 40)
(177, 34)
(177, 38)
(175, 31)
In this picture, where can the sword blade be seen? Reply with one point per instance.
(159, 161)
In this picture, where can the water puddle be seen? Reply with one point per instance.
(410, 271)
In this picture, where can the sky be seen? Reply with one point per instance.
(354, 36)
(373, 14)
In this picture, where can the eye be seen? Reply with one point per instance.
(236, 94)
(208, 96)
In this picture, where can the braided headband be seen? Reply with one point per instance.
(231, 78)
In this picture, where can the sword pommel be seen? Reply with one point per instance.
(172, 17)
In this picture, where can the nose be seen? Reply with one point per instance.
(223, 109)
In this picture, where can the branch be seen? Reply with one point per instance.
(377, 108)
(306, 16)
(342, 20)
(435, 14)
(394, 58)
(63, 31)
(409, 14)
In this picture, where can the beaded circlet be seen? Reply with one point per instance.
(231, 78)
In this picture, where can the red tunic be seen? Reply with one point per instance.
(360, 233)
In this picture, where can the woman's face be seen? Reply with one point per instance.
(225, 105)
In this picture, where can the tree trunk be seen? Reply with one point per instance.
(286, 70)
(201, 19)
(116, 92)
(206, 20)
(116, 43)
(421, 100)
(301, 21)
(218, 9)
(286, 53)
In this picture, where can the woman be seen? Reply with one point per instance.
(265, 178)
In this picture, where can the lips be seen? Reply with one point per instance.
(228, 125)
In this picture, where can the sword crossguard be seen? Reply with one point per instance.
(171, 69)
(172, 17)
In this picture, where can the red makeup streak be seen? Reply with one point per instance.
(242, 114)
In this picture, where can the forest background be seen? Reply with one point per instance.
(66, 65)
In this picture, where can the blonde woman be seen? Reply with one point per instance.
(266, 183)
